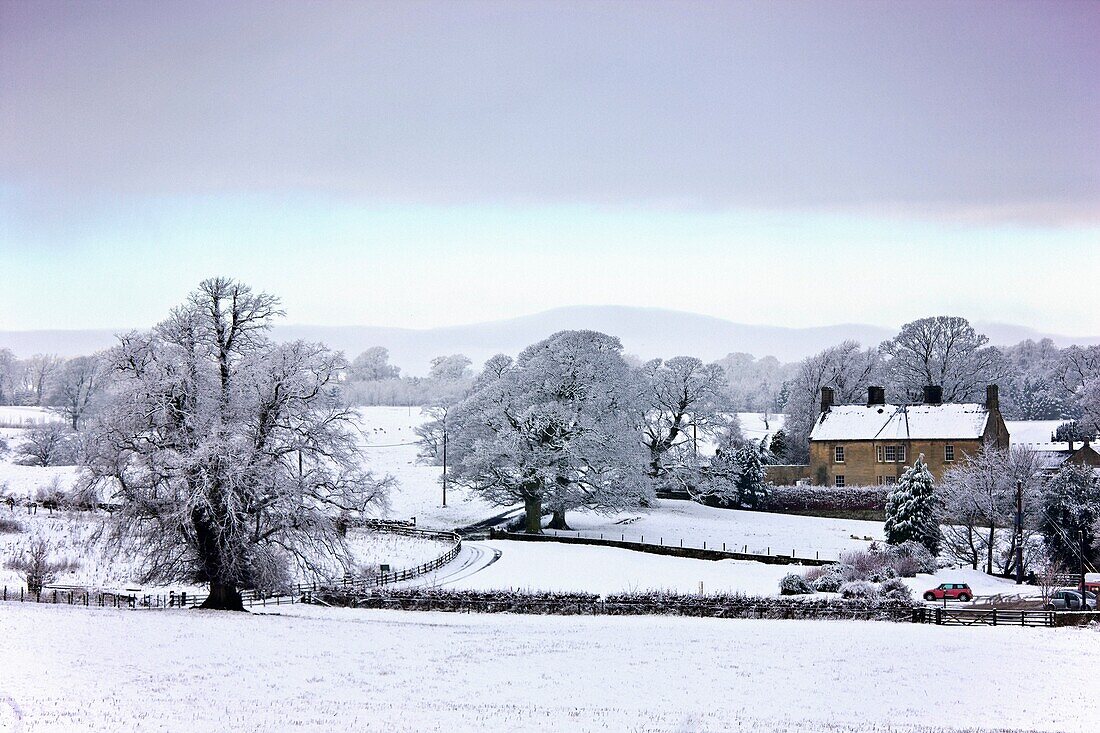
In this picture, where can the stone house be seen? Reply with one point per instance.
(873, 444)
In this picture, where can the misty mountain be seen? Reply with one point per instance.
(645, 332)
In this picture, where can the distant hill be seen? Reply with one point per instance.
(646, 332)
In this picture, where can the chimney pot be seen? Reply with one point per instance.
(827, 396)
(876, 396)
(933, 394)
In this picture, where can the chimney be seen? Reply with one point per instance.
(992, 399)
(933, 394)
(876, 396)
(826, 398)
(1070, 441)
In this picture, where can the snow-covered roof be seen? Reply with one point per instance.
(893, 422)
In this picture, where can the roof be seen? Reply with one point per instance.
(893, 422)
(1054, 454)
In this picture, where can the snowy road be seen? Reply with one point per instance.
(473, 558)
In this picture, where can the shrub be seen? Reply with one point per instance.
(882, 573)
(10, 526)
(793, 584)
(36, 566)
(910, 558)
(859, 589)
(895, 589)
(832, 577)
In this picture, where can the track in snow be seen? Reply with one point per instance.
(473, 558)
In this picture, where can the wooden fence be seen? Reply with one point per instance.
(1001, 617)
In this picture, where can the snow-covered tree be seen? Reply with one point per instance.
(229, 454)
(1069, 517)
(979, 497)
(77, 388)
(38, 373)
(913, 509)
(450, 368)
(9, 371)
(847, 368)
(52, 444)
(681, 399)
(553, 430)
(373, 365)
(944, 351)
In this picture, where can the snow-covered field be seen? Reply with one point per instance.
(389, 445)
(671, 520)
(16, 415)
(604, 570)
(316, 669)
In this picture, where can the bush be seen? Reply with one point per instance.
(886, 572)
(910, 558)
(10, 526)
(859, 589)
(831, 577)
(793, 584)
(895, 589)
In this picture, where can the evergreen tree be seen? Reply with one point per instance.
(912, 509)
(1068, 517)
(751, 487)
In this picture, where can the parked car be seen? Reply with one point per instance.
(1065, 599)
(950, 591)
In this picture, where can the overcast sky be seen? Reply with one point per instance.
(424, 164)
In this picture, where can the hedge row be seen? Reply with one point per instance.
(826, 498)
(622, 604)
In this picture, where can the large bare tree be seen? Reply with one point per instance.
(943, 351)
(230, 455)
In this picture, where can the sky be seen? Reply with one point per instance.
(423, 164)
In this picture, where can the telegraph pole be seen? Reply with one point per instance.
(1081, 557)
(1019, 532)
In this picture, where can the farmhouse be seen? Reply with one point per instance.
(863, 445)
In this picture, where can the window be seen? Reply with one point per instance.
(838, 454)
(948, 453)
(901, 454)
(891, 480)
(838, 480)
(878, 454)
(891, 453)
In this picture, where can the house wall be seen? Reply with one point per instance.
(788, 475)
(862, 468)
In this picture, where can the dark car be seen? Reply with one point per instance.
(950, 592)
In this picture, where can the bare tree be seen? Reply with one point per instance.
(680, 399)
(847, 368)
(49, 445)
(229, 454)
(38, 371)
(943, 351)
(77, 386)
(36, 565)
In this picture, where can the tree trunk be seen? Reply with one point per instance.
(989, 549)
(533, 508)
(223, 597)
(558, 520)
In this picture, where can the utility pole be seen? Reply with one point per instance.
(1019, 532)
(444, 464)
(1081, 557)
(695, 438)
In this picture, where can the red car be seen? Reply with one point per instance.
(950, 591)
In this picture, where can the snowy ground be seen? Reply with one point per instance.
(604, 570)
(389, 444)
(315, 669)
(13, 415)
(671, 520)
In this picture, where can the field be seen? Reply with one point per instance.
(314, 669)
